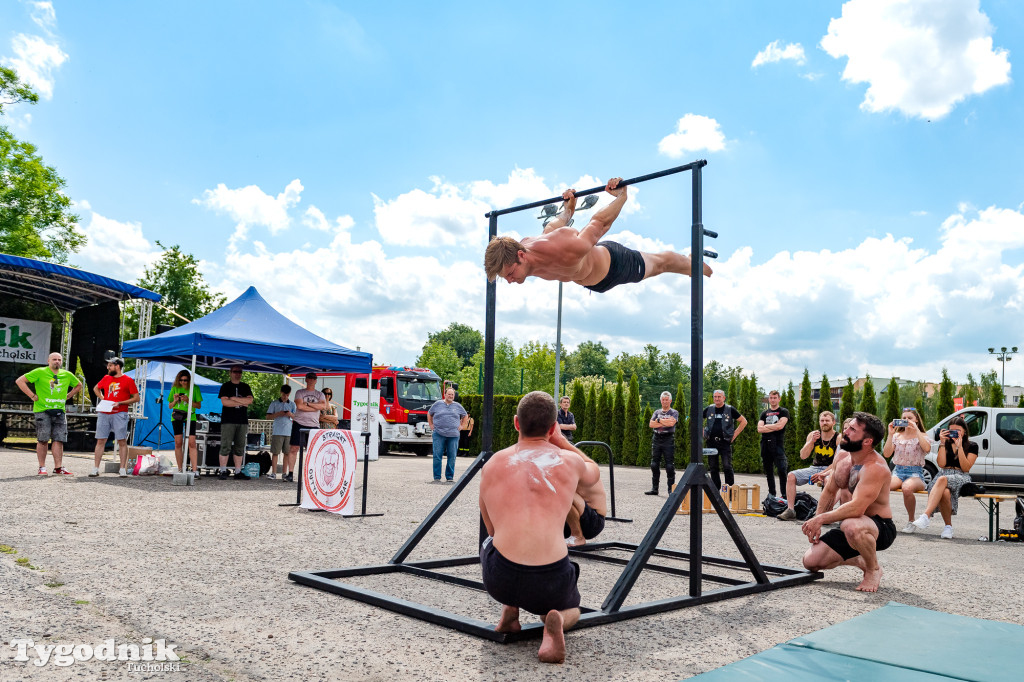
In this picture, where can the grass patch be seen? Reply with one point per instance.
(7, 549)
(54, 583)
(81, 601)
(23, 561)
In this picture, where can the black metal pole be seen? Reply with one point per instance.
(611, 475)
(487, 426)
(696, 379)
(594, 190)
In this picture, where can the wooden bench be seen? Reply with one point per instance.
(994, 500)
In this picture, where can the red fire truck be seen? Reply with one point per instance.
(406, 393)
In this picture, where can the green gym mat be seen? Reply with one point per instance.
(895, 642)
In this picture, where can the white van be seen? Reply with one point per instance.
(999, 433)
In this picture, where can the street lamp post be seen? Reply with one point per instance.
(1003, 356)
(548, 213)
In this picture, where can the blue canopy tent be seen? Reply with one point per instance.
(251, 333)
(159, 380)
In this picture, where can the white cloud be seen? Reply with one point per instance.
(453, 215)
(250, 206)
(36, 60)
(693, 133)
(920, 58)
(44, 16)
(443, 216)
(771, 54)
(114, 249)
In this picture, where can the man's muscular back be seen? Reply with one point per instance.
(525, 494)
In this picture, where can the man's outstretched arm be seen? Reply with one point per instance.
(565, 215)
(602, 221)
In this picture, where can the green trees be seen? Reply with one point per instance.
(945, 406)
(35, 215)
(587, 359)
(618, 419)
(461, 338)
(805, 420)
(892, 401)
(603, 431)
(681, 439)
(578, 407)
(746, 448)
(992, 390)
(443, 359)
(791, 441)
(846, 404)
(589, 426)
(824, 396)
(867, 401)
(631, 433)
(646, 435)
(176, 277)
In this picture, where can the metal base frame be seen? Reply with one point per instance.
(695, 481)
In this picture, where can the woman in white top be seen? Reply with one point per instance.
(907, 445)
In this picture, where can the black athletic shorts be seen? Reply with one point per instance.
(836, 539)
(298, 439)
(591, 523)
(537, 589)
(626, 266)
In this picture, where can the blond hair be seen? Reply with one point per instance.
(501, 253)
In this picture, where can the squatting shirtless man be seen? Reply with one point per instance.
(589, 509)
(525, 494)
(866, 526)
(565, 255)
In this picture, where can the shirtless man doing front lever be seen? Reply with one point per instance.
(562, 254)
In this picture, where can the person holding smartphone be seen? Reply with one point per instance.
(907, 445)
(955, 458)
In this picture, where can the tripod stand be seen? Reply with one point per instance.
(160, 427)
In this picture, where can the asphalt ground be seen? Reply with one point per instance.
(205, 569)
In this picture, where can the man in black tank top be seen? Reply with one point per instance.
(822, 444)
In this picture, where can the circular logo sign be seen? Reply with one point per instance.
(330, 469)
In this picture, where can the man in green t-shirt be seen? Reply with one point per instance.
(48, 388)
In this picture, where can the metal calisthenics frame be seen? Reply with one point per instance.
(694, 481)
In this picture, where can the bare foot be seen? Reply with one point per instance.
(573, 541)
(509, 620)
(871, 580)
(552, 647)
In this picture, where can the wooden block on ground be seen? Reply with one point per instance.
(745, 499)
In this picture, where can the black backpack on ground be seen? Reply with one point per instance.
(805, 506)
(773, 506)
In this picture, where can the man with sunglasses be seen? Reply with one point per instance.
(235, 397)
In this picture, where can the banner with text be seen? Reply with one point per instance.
(358, 409)
(24, 341)
(329, 470)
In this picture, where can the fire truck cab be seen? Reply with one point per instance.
(406, 393)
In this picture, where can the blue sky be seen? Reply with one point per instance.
(863, 169)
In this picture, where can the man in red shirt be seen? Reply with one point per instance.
(116, 392)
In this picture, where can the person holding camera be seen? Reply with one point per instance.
(955, 458)
(178, 399)
(907, 445)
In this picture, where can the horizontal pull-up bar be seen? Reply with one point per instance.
(594, 190)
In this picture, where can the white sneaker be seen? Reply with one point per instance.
(909, 528)
(271, 475)
(922, 522)
(122, 472)
(947, 533)
(95, 472)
